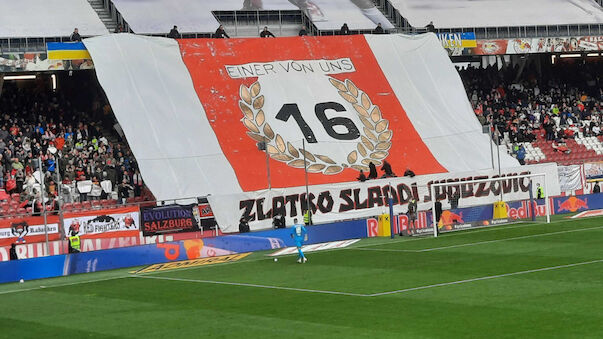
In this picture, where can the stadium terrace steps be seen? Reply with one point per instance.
(104, 14)
(581, 148)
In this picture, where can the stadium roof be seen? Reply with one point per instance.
(499, 13)
(48, 18)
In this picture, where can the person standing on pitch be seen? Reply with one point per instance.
(299, 234)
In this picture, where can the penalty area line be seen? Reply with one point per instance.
(486, 278)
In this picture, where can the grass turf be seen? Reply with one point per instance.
(283, 298)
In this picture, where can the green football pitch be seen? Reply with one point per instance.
(514, 281)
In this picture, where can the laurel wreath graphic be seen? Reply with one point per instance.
(375, 139)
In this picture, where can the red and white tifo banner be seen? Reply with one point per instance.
(346, 100)
(316, 247)
(119, 222)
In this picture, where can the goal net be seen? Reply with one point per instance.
(481, 203)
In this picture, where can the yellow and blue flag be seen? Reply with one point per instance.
(67, 51)
(458, 40)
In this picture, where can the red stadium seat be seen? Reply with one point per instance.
(86, 205)
(15, 197)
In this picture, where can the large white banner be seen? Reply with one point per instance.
(569, 178)
(352, 200)
(95, 224)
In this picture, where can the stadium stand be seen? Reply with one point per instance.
(71, 132)
(546, 112)
(499, 18)
(245, 18)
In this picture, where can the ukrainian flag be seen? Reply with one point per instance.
(67, 51)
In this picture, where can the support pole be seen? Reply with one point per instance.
(307, 189)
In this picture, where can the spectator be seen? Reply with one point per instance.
(344, 30)
(596, 188)
(174, 34)
(243, 225)
(361, 176)
(372, 171)
(123, 192)
(137, 181)
(13, 252)
(119, 29)
(379, 29)
(387, 169)
(303, 32)
(220, 33)
(266, 33)
(430, 27)
(521, 155)
(409, 173)
(278, 221)
(75, 36)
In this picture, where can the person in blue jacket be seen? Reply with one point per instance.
(299, 234)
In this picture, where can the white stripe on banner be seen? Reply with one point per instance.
(431, 92)
(154, 100)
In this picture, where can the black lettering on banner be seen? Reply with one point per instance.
(347, 65)
(278, 206)
(248, 206)
(357, 204)
(292, 110)
(516, 185)
(259, 204)
(404, 193)
(374, 197)
(390, 192)
(481, 187)
(495, 186)
(426, 198)
(415, 190)
(467, 189)
(453, 189)
(325, 197)
(304, 202)
(348, 204)
(329, 124)
(292, 201)
(525, 182)
(507, 185)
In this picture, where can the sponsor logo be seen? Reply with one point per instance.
(572, 204)
(316, 247)
(192, 263)
(448, 219)
(19, 229)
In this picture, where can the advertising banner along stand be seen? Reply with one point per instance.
(169, 219)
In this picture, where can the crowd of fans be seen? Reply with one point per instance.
(71, 137)
(556, 102)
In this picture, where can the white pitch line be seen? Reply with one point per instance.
(253, 285)
(486, 278)
(61, 285)
(507, 239)
(471, 243)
